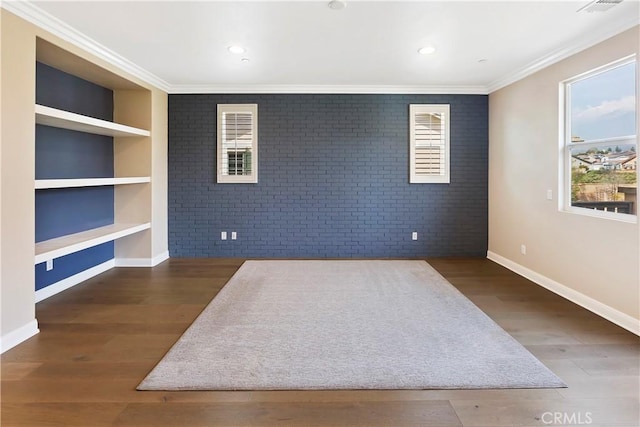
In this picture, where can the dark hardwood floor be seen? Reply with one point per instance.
(99, 339)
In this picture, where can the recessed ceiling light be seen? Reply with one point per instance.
(245, 60)
(482, 61)
(337, 4)
(236, 49)
(427, 50)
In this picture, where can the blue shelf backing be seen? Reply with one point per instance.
(62, 153)
(69, 265)
(57, 89)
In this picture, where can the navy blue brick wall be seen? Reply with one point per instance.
(333, 180)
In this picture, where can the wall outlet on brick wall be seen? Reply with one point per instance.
(414, 235)
(234, 235)
(223, 235)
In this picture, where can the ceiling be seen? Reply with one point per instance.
(368, 46)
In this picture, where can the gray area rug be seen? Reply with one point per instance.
(344, 325)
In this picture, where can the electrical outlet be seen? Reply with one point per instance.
(223, 235)
(549, 194)
(523, 249)
(414, 235)
(234, 235)
(49, 264)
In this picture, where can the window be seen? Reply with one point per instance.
(429, 143)
(237, 143)
(239, 163)
(600, 142)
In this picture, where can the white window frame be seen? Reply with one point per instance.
(237, 179)
(564, 185)
(445, 111)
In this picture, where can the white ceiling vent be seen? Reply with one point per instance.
(599, 5)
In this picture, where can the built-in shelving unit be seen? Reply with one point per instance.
(71, 93)
(67, 120)
(44, 184)
(65, 245)
(60, 246)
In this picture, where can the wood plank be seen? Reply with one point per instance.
(13, 371)
(369, 414)
(610, 366)
(60, 414)
(597, 412)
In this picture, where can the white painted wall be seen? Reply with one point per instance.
(17, 179)
(159, 176)
(594, 261)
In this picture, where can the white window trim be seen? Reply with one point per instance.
(564, 184)
(238, 179)
(445, 110)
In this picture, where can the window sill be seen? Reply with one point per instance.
(612, 216)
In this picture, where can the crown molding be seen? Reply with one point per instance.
(578, 45)
(329, 89)
(32, 13)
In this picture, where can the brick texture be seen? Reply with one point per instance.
(333, 180)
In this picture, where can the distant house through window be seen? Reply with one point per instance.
(600, 174)
(239, 162)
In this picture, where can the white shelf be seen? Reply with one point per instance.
(65, 245)
(42, 184)
(66, 120)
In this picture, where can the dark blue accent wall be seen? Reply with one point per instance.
(68, 265)
(62, 153)
(64, 211)
(333, 180)
(57, 89)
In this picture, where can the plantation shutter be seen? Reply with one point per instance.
(429, 143)
(237, 143)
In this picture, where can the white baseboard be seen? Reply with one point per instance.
(19, 335)
(611, 314)
(142, 262)
(64, 284)
(160, 258)
(25, 332)
(69, 282)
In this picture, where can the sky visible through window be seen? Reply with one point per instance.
(604, 105)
